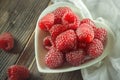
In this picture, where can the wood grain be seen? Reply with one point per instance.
(19, 17)
(35, 75)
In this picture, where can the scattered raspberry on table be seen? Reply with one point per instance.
(6, 41)
(17, 72)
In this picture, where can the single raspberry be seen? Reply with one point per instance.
(59, 12)
(85, 33)
(54, 58)
(17, 72)
(95, 48)
(71, 20)
(66, 41)
(6, 41)
(48, 43)
(46, 22)
(56, 30)
(75, 58)
(101, 34)
(90, 22)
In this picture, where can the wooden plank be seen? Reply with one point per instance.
(25, 54)
(18, 17)
(35, 75)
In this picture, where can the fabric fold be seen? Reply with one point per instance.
(109, 68)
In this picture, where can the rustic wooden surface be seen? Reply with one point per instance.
(19, 17)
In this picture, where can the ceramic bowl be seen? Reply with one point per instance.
(40, 51)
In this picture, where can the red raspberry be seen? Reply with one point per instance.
(66, 41)
(75, 58)
(101, 34)
(82, 45)
(13, 78)
(85, 33)
(46, 22)
(71, 20)
(48, 43)
(59, 12)
(6, 41)
(54, 58)
(95, 48)
(56, 30)
(17, 72)
(90, 22)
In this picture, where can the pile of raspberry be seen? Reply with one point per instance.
(71, 40)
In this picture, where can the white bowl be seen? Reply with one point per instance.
(40, 51)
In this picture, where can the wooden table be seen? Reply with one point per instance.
(19, 17)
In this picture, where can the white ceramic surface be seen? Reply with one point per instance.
(40, 51)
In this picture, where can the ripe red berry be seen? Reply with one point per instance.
(82, 45)
(48, 43)
(54, 58)
(71, 20)
(56, 30)
(6, 41)
(46, 22)
(85, 33)
(90, 22)
(101, 34)
(75, 58)
(17, 72)
(95, 48)
(59, 12)
(66, 41)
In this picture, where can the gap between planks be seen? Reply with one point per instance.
(32, 35)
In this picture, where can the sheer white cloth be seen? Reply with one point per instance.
(109, 68)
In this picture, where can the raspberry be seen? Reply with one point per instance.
(82, 45)
(54, 58)
(13, 78)
(71, 20)
(46, 22)
(95, 48)
(48, 43)
(85, 33)
(17, 72)
(56, 30)
(90, 22)
(75, 58)
(6, 41)
(66, 41)
(101, 34)
(59, 12)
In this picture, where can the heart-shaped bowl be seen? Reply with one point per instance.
(40, 51)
